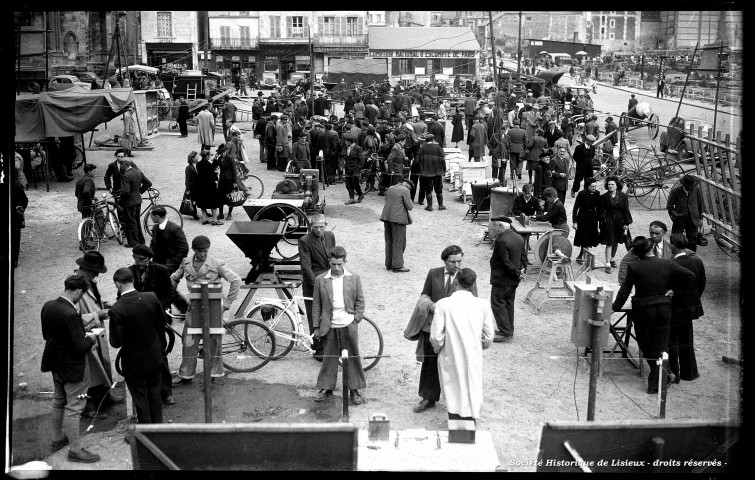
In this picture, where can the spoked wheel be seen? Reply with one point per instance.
(632, 170)
(247, 345)
(658, 177)
(603, 165)
(254, 186)
(296, 226)
(89, 238)
(115, 226)
(282, 325)
(370, 343)
(653, 126)
(559, 242)
(170, 213)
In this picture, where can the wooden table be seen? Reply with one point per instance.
(534, 228)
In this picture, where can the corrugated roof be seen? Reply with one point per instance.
(423, 38)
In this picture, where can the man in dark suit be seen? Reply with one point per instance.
(657, 235)
(313, 257)
(518, 137)
(153, 277)
(552, 133)
(526, 203)
(330, 146)
(259, 133)
(113, 171)
(183, 116)
(66, 347)
(270, 138)
(439, 133)
(137, 327)
(353, 169)
(583, 155)
(338, 307)
(439, 283)
(395, 218)
(654, 280)
(133, 184)
(507, 267)
(168, 241)
(685, 307)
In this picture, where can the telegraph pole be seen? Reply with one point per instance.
(519, 47)
(206, 40)
(311, 63)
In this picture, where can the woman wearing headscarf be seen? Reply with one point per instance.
(614, 218)
(205, 193)
(585, 218)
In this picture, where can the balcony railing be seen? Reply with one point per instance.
(295, 34)
(336, 39)
(231, 43)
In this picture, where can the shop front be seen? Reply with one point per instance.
(170, 56)
(235, 65)
(282, 60)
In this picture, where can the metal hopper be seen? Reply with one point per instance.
(257, 239)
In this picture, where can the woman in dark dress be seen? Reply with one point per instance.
(613, 211)
(458, 123)
(205, 194)
(585, 218)
(191, 177)
(227, 179)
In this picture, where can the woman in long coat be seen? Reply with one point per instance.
(205, 193)
(458, 122)
(228, 176)
(613, 211)
(191, 177)
(585, 218)
(478, 139)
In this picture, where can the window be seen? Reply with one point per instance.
(369, 17)
(245, 37)
(225, 36)
(351, 25)
(602, 32)
(613, 13)
(612, 36)
(464, 66)
(275, 26)
(327, 25)
(164, 24)
(612, 24)
(244, 14)
(379, 17)
(436, 68)
(602, 19)
(71, 45)
(402, 66)
(297, 26)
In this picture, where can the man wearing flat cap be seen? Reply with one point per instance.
(283, 143)
(507, 267)
(196, 268)
(654, 280)
(583, 155)
(153, 277)
(685, 207)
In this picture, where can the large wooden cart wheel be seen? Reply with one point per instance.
(560, 242)
(603, 165)
(653, 127)
(296, 226)
(649, 176)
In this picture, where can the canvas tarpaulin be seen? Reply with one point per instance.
(68, 112)
(365, 70)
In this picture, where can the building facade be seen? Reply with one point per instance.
(687, 28)
(169, 39)
(616, 31)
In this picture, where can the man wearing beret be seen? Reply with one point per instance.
(507, 268)
(153, 277)
(196, 268)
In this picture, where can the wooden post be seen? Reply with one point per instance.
(345, 377)
(663, 388)
(207, 358)
(596, 351)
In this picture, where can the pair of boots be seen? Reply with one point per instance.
(429, 206)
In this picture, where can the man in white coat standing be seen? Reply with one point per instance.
(462, 328)
(206, 128)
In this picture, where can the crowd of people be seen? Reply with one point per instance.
(379, 142)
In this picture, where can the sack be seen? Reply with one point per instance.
(187, 206)
(627, 240)
(236, 198)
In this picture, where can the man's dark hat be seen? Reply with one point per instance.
(688, 181)
(93, 261)
(410, 183)
(143, 250)
(641, 245)
(546, 153)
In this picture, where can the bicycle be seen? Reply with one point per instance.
(93, 229)
(246, 345)
(288, 325)
(254, 186)
(153, 195)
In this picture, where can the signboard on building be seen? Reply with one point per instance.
(448, 70)
(423, 53)
(252, 58)
(235, 58)
(341, 50)
(407, 76)
(419, 70)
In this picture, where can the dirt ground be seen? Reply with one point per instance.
(538, 377)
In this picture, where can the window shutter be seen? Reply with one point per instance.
(341, 28)
(360, 25)
(305, 26)
(320, 23)
(289, 21)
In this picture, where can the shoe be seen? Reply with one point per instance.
(323, 394)
(84, 456)
(429, 208)
(182, 136)
(360, 198)
(169, 400)
(217, 222)
(318, 357)
(613, 264)
(381, 194)
(205, 222)
(388, 268)
(441, 207)
(423, 405)
(65, 179)
(116, 400)
(502, 338)
(58, 444)
(608, 269)
(356, 398)
(420, 203)
(195, 217)
(401, 270)
(181, 381)
(91, 414)
(350, 202)
(228, 217)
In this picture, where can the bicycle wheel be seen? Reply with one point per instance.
(254, 186)
(247, 345)
(370, 343)
(280, 322)
(170, 213)
(89, 236)
(115, 226)
(171, 337)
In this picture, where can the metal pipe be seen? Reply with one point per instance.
(47, 50)
(718, 84)
(519, 47)
(345, 378)
(207, 358)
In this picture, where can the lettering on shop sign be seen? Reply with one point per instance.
(422, 53)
